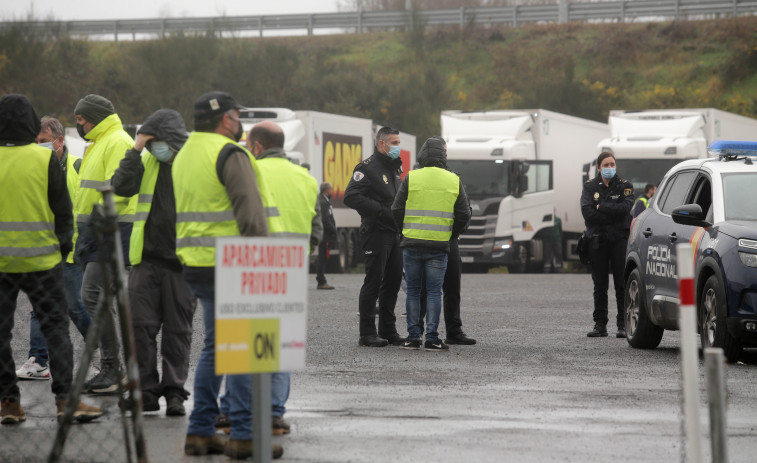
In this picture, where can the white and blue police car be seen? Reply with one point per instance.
(712, 204)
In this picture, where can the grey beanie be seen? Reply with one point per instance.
(94, 108)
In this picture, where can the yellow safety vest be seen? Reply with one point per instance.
(96, 171)
(27, 224)
(203, 209)
(144, 203)
(429, 211)
(72, 181)
(644, 200)
(294, 192)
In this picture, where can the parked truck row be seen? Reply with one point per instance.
(521, 168)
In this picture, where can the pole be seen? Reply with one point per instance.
(687, 324)
(261, 418)
(713, 364)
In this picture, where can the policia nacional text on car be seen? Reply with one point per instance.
(371, 191)
(606, 203)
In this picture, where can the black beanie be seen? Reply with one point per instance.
(94, 108)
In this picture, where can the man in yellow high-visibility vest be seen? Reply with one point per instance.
(36, 226)
(430, 207)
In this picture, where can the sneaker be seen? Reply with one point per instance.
(83, 412)
(621, 333)
(460, 339)
(412, 344)
(435, 345)
(279, 426)
(325, 286)
(395, 339)
(241, 449)
(105, 382)
(33, 370)
(372, 341)
(204, 445)
(11, 411)
(599, 331)
(175, 406)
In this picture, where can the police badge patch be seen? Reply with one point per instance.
(358, 176)
(596, 195)
(386, 180)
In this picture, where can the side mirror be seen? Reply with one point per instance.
(690, 214)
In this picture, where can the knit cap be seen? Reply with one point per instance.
(94, 108)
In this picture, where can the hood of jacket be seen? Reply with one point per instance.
(166, 125)
(19, 124)
(433, 154)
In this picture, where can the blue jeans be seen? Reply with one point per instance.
(279, 394)
(72, 276)
(430, 264)
(238, 387)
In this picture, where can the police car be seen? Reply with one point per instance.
(712, 204)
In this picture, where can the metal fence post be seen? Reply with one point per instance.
(713, 364)
(261, 417)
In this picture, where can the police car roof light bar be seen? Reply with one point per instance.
(732, 149)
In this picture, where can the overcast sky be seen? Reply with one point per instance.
(66, 10)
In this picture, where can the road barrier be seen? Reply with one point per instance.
(363, 21)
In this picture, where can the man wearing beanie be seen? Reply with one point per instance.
(97, 122)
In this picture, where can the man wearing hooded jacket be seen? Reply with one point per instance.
(158, 294)
(97, 121)
(371, 191)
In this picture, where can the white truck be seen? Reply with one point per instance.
(520, 168)
(331, 146)
(648, 143)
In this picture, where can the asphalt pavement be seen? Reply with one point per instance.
(534, 389)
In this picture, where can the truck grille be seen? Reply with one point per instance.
(480, 229)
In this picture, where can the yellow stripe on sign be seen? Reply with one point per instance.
(247, 346)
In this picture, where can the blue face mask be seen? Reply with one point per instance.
(48, 145)
(608, 172)
(394, 152)
(161, 150)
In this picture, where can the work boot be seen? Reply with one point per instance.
(372, 340)
(621, 333)
(599, 331)
(204, 445)
(223, 423)
(150, 403)
(241, 449)
(279, 426)
(325, 286)
(105, 382)
(395, 339)
(11, 411)
(83, 412)
(460, 339)
(175, 406)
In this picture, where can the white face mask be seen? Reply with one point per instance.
(48, 145)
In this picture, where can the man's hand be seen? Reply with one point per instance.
(142, 139)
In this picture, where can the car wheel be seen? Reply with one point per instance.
(713, 331)
(641, 333)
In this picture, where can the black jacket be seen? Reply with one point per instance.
(327, 217)
(160, 228)
(462, 213)
(371, 192)
(19, 126)
(612, 219)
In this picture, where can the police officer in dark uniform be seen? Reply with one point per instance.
(371, 192)
(606, 204)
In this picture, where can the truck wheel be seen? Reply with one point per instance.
(521, 263)
(713, 330)
(641, 333)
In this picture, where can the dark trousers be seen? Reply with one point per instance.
(160, 298)
(451, 289)
(383, 277)
(45, 291)
(92, 289)
(607, 257)
(320, 263)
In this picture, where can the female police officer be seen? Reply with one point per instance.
(606, 203)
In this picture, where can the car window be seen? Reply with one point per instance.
(739, 192)
(675, 191)
(702, 194)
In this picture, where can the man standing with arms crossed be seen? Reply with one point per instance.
(219, 192)
(371, 192)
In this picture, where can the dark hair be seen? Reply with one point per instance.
(648, 187)
(602, 156)
(266, 137)
(208, 125)
(384, 133)
(325, 186)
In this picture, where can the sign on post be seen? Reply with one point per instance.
(260, 304)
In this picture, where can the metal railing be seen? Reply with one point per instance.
(361, 21)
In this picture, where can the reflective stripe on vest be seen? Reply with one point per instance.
(295, 193)
(27, 224)
(429, 211)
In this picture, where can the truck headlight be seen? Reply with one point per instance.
(500, 245)
(750, 260)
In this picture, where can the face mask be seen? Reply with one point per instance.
(48, 145)
(238, 135)
(80, 130)
(608, 172)
(161, 150)
(394, 152)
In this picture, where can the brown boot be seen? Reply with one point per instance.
(279, 426)
(239, 449)
(83, 412)
(11, 411)
(204, 445)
